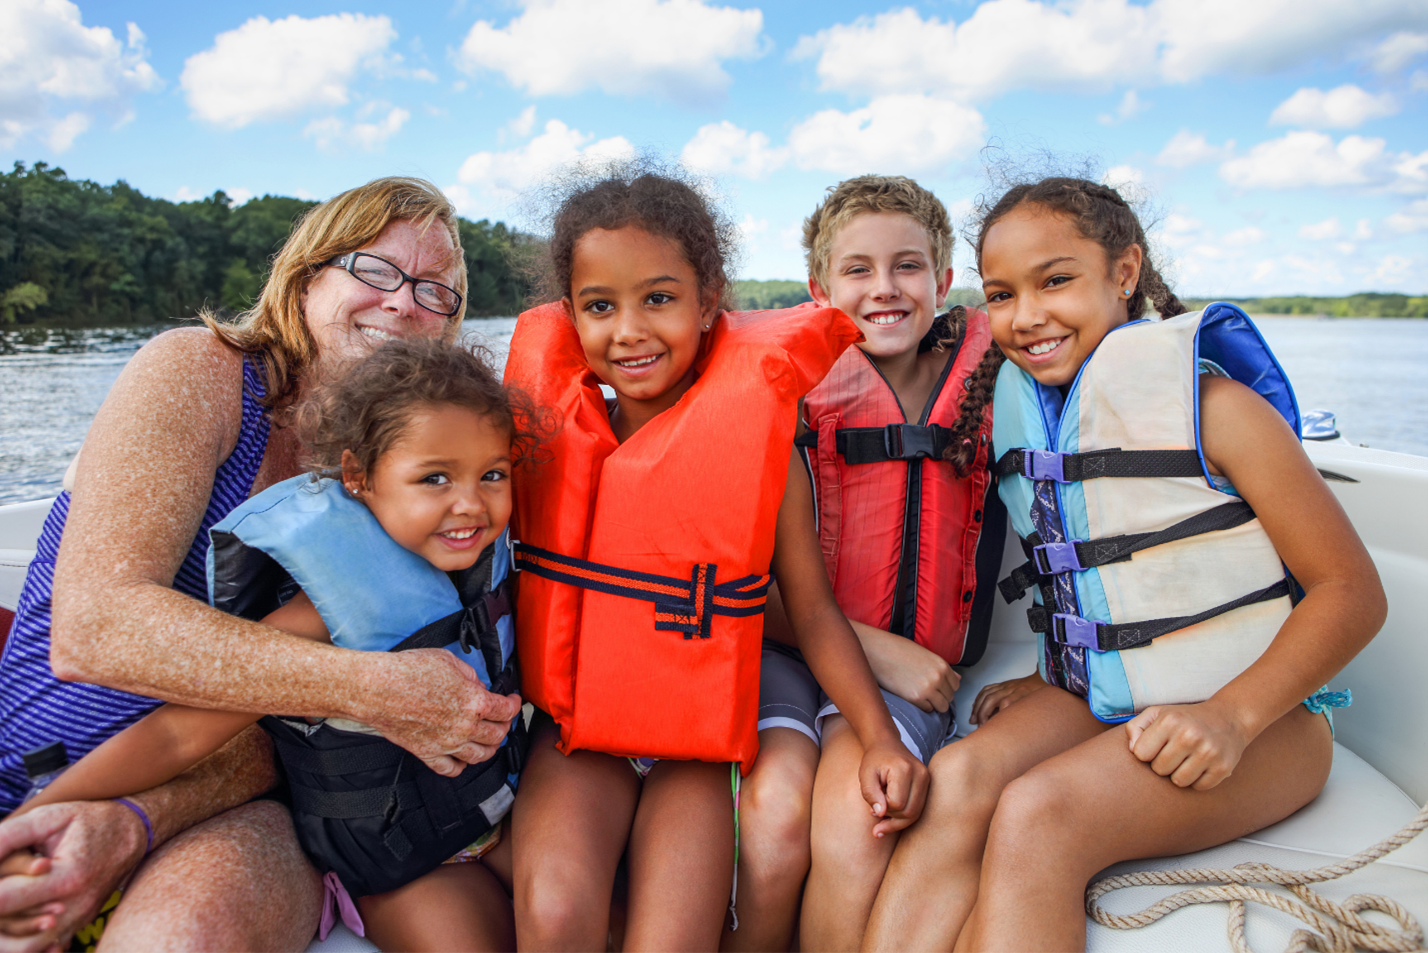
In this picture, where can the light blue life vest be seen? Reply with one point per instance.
(371, 593)
(1153, 586)
(363, 807)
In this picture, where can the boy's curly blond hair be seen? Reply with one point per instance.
(874, 193)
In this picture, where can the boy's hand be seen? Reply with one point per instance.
(998, 695)
(894, 784)
(1195, 746)
(908, 670)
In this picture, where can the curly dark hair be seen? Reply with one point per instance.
(368, 404)
(662, 199)
(1102, 215)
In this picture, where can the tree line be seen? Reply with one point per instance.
(74, 252)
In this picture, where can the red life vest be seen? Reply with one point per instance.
(892, 514)
(645, 564)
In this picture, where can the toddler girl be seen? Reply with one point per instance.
(397, 541)
(1154, 472)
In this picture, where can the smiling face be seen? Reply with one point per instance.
(346, 316)
(639, 311)
(1051, 294)
(443, 489)
(881, 274)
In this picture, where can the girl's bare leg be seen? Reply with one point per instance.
(931, 882)
(455, 907)
(775, 808)
(848, 861)
(236, 882)
(681, 858)
(569, 826)
(1079, 812)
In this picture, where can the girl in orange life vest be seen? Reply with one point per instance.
(900, 539)
(1043, 795)
(637, 260)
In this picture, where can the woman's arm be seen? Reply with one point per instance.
(141, 488)
(893, 781)
(167, 741)
(1343, 607)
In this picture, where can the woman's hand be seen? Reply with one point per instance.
(998, 695)
(434, 706)
(894, 783)
(1195, 746)
(89, 847)
(907, 669)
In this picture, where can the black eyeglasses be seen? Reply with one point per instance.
(384, 276)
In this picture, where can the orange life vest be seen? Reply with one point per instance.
(645, 564)
(893, 516)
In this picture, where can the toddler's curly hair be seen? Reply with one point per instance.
(367, 406)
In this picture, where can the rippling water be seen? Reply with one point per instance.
(1372, 373)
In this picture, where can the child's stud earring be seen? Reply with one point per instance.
(1127, 292)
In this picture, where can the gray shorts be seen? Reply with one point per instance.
(789, 697)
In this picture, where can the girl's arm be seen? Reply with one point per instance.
(141, 487)
(894, 782)
(1343, 607)
(168, 741)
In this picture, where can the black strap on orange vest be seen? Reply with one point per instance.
(681, 605)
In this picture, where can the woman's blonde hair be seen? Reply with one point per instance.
(274, 330)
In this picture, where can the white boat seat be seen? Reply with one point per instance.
(14, 563)
(1357, 808)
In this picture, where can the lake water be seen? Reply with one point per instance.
(1373, 373)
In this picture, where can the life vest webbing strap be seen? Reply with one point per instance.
(880, 444)
(1114, 637)
(681, 605)
(1115, 462)
(1074, 555)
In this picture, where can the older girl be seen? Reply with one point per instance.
(1155, 466)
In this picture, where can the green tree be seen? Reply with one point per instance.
(26, 296)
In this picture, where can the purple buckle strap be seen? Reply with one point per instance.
(1074, 630)
(1044, 465)
(1052, 558)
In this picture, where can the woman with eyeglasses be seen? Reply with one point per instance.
(114, 617)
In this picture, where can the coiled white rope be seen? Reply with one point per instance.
(1341, 929)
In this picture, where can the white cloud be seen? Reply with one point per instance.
(1126, 179)
(1363, 231)
(1412, 218)
(523, 124)
(892, 134)
(333, 132)
(1321, 231)
(1240, 237)
(267, 69)
(1178, 230)
(504, 174)
(1186, 149)
(1302, 159)
(1091, 44)
(1396, 52)
(1344, 107)
(56, 74)
(1131, 106)
(670, 48)
(722, 148)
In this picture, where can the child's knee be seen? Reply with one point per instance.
(776, 810)
(961, 780)
(554, 906)
(1037, 806)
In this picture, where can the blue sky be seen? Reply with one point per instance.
(1280, 144)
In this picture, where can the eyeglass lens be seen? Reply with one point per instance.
(383, 276)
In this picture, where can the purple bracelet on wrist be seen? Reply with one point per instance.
(148, 828)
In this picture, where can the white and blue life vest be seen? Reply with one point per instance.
(362, 806)
(1153, 585)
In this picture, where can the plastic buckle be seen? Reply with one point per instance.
(1044, 465)
(1075, 631)
(1052, 558)
(907, 441)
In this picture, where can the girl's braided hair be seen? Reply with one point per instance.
(1101, 215)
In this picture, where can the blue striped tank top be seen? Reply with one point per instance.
(36, 708)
